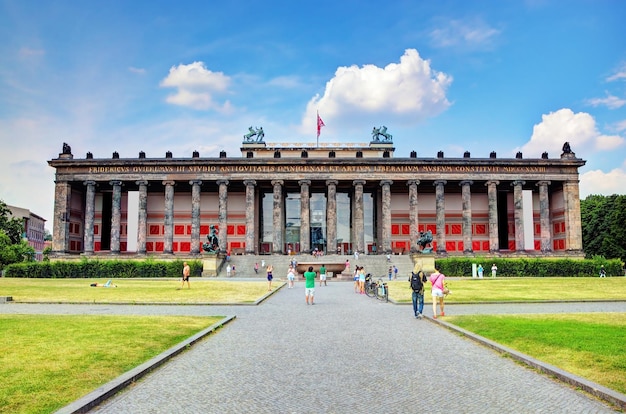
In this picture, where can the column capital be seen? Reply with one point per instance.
(115, 182)
(89, 182)
(518, 182)
(304, 182)
(413, 182)
(358, 182)
(249, 183)
(141, 182)
(332, 182)
(438, 182)
(542, 183)
(466, 182)
(169, 182)
(385, 182)
(492, 182)
(198, 182)
(277, 182)
(221, 181)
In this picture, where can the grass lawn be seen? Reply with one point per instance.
(48, 361)
(520, 289)
(133, 291)
(591, 346)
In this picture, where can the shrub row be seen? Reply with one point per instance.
(524, 267)
(93, 269)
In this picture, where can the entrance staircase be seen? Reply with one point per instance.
(377, 265)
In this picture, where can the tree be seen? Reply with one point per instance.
(603, 219)
(14, 252)
(13, 248)
(12, 227)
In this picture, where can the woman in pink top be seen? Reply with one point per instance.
(437, 280)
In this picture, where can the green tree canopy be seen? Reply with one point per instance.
(12, 227)
(603, 226)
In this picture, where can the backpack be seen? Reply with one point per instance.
(417, 283)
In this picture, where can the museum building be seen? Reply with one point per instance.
(336, 198)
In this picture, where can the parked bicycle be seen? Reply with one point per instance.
(370, 286)
(376, 289)
(382, 290)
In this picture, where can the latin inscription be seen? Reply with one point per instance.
(359, 169)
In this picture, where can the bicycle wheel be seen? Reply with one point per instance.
(370, 289)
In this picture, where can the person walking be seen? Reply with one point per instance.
(390, 273)
(602, 271)
(347, 265)
(395, 272)
(256, 268)
(233, 271)
(480, 271)
(437, 280)
(228, 270)
(357, 288)
(291, 276)
(269, 269)
(417, 280)
(362, 280)
(186, 274)
(309, 287)
(494, 270)
(323, 275)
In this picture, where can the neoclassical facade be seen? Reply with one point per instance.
(337, 198)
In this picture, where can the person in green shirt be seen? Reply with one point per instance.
(323, 275)
(309, 287)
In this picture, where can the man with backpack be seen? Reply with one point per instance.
(417, 279)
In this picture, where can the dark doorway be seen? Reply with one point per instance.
(105, 234)
(503, 224)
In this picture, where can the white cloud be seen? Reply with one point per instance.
(599, 182)
(611, 102)
(196, 86)
(579, 129)
(139, 71)
(620, 74)
(26, 52)
(471, 33)
(620, 126)
(408, 92)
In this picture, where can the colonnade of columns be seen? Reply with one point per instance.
(570, 190)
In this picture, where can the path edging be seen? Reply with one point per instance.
(102, 393)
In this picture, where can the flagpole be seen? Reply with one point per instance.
(317, 143)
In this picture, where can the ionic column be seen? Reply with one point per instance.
(440, 220)
(195, 216)
(222, 213)
(573, 223)
(544, 216)
(386, 215)
(277, 216)
(519, 215)
(492, 196)
(61, 227)
(90, 204)
(359, 218)
(305, 216)
(142, 216)
(116, 216)
(168, 221)
(466, 197)
(250, 242)
(331, 216)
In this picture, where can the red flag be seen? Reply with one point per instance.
(320, 124)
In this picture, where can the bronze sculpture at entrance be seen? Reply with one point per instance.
(258, 132)
(425, 241)
(212, 245)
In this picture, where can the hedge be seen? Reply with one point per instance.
(93, 269)
(533, 267)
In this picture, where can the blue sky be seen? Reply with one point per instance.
(455, 76)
